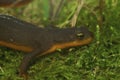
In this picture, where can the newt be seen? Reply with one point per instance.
(35, 41)
(13, 3)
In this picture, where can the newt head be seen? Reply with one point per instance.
(71, 37)
(83, 33)
(82, 36)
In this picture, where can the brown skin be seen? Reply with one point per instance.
(35, 41)
(13, 3)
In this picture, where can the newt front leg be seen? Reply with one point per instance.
(28, 58)
(24, 66)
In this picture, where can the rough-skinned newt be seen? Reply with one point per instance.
(36, 41)
(13, 3)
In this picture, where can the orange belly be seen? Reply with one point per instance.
(67, 45)
(16, 47)
(51, 49)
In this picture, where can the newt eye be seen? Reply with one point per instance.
(81, 35)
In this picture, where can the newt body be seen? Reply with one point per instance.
(35, 41)
(13, 3)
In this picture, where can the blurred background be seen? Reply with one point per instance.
(62, 13)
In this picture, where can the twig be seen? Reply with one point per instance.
(101, 7)
(59, 7)
(74, 18)
(51, 10)
(55, 9)
(1, 69)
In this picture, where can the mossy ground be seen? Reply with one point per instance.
(99, 60)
